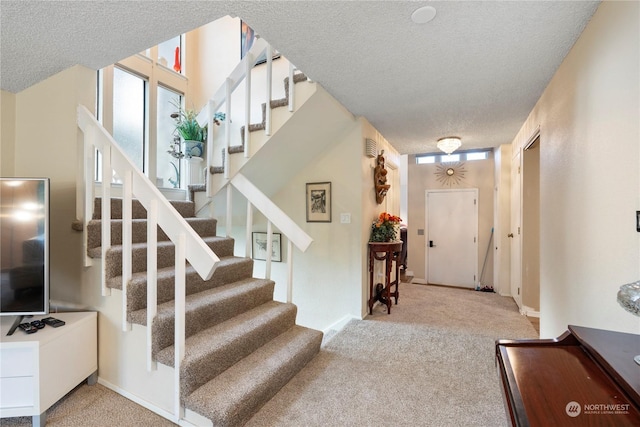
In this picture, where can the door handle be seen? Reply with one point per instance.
(510, 235)
(431, 245)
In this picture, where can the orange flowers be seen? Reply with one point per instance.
(385, 216)
(383, 230)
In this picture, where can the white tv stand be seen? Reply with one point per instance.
(36, 370)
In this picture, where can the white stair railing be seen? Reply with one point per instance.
(241, 73)
(275, 217)
(189, 246)
(223, 99)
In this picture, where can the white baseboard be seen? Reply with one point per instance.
(528, 311)
(145, 404)
(340, 324)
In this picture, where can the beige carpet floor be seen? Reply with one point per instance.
(429, 363)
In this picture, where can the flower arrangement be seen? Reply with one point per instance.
(384, 228)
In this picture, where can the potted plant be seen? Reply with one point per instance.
(385, 228)
(188, 128)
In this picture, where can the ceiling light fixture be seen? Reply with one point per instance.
(423, 14)
(449, 144)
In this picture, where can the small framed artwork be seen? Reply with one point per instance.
(319, 202)
(247, 37)
(259, 247)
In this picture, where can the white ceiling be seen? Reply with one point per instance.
(475, 71)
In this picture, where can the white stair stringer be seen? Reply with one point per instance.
(298, 139)
(279, 117)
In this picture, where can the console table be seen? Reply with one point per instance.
(586, 377)
(36, 370)
(389, 253)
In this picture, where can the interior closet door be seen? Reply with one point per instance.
(514, 234)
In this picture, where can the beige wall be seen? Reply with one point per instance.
(211, 56)
(7, 133)
(370, 207)
(330, 284)
(46, 147)
(590, 175)
(479, 174)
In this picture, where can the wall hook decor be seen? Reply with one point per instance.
(380, 179)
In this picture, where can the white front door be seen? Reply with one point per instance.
(452, 243)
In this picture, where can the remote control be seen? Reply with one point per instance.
(28, 328)
(55, 323)
(39, 324)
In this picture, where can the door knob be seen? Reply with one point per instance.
(510, 235)
(431, 245)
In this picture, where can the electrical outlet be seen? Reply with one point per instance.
(345, 218)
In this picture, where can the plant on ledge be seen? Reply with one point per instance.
(186, 124)
(384, 228)
(188, 128)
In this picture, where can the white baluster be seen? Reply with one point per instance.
(227, 128)
(249, 241)
(127, 217)
(247, 103)
(289, 270)
(267, 272)
(291, 87)
(180, 301)
(207, 175)
(106, 213)
(229, 210)
(88, 196)
(267, 129)
(152, 278)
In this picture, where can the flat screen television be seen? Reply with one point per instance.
(24, 250)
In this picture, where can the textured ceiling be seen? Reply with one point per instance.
(475, 71)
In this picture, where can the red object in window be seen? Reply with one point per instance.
(176, 63)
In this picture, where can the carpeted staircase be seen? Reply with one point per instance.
(241, 345)
(262, 125)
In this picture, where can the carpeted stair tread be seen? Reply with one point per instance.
(274, 103)
(229, 269)
(206, 309)
(209, 352)
(205, 227)
(221, 246)
(235, 395)
(184, 208)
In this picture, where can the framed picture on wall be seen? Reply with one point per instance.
(259, 247)
(318, 202)
(247, 36)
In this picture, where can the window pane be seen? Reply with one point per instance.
(423, 160)
(169, 167)
(477, 156)
(167, 54)
(129, 114)
(450, 158)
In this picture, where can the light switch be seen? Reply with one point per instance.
(345, 218)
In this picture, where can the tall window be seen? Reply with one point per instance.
(135, 97)
(129, 108)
